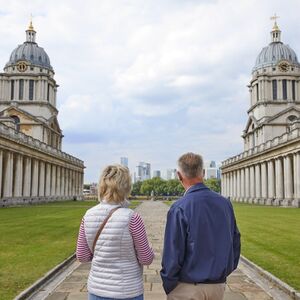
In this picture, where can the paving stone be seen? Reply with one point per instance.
(70, 287)
(75, 278)
(153, 278)
(57, 296)
(155, 296)
(77, 296)
(234, 296)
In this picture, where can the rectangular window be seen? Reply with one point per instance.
(294, 89)
(274, 89)
(12, 89)
(284, 90)
(48, 91)
(31, 89)
(257, 93)
(21, 89)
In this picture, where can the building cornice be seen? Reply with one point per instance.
(20, 138)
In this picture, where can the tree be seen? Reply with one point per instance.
(214, 184)
(136, 188)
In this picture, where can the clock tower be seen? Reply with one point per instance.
(274, 92)
(28, 92)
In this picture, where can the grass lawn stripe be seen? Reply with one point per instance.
(34, 239)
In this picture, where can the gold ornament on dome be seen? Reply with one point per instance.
(22, 66)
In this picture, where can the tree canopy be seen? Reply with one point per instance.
(172, 187)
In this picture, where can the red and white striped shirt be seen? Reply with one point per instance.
(137, 230)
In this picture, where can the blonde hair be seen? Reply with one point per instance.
(114, 184)
(191, 165)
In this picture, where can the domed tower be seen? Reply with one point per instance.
(274, 92)
(28, 92)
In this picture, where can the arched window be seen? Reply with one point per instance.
(284, 89)
(274, 89)
(294, 89)
(12, 89)
(17, 122)
(21, 89)
(31, 89)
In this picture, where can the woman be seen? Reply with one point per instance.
(122, 247)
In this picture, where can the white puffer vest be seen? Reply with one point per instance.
(115, 271)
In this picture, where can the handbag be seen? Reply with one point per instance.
(102, 226)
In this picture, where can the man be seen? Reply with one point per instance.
(202, 241)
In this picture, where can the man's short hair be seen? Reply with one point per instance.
(191, 165)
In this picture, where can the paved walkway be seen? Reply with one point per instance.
(239, 286)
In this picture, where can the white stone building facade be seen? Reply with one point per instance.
(268, 171)
(32, 166)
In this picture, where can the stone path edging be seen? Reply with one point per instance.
(270, 277)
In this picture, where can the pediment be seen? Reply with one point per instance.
(284, 117)
(251, 124)
(24, 116)
(53, 123)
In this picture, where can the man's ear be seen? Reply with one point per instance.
(179, 176)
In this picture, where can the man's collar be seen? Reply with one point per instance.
(195, 187)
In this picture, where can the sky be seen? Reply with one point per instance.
(150, 80)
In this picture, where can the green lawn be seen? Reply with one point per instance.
(36, 238)
(271, 239)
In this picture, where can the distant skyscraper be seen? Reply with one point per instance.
(143, 171)
(171, 174)
(213, 164)
(124, 161)
(156, 173)
(211, 170)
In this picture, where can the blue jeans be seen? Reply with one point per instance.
(94, 297)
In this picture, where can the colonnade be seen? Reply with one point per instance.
(274, 181)
(23, 176)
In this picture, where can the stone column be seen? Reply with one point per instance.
(252, 184)
(238, 185)
(257, 184)
(58, 181)
(288, 181)
(18, 174)
(234, 185)
(35, 178)
(222, 185)
(242, 185)
(48, 180)
(42, 179)
(247, 184)
(1, 168)
(264, 183)
(296, 201)
(27, 177)
(271, 182)
(231, 186)
(53, 181)
(8, 176)
(279, 181)
(67, 183)
(63, 178)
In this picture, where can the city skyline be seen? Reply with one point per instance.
(161, 85)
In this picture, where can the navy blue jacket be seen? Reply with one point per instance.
(202, 241)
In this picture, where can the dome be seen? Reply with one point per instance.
(32, 53)
(274, 53)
